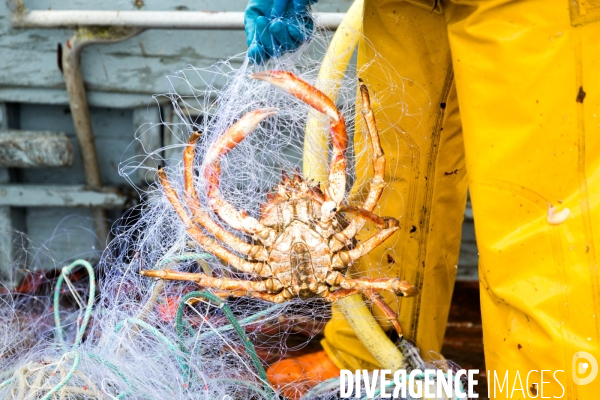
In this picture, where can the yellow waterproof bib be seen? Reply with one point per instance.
(425, 173)
(527, 76)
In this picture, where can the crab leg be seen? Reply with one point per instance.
(343, 258)
(281, 297)
(238, 220)
(390, 315)
(394, 285)
(257, 252)
(365, 215)
(210, 245)
(377, 183)
(225, 286)
(318, 100)
(338, 294)
(206, 280)
(273, 298)
(378, 157)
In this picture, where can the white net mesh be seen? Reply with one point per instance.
(153, 339)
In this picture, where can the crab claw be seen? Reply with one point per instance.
(318, 100)
(238, 131)
(403, 288)
(295, 86)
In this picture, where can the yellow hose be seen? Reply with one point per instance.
(334, 65)
(330, 76)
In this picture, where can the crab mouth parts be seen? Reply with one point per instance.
(305, 293)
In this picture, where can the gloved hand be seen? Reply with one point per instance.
(274, 27)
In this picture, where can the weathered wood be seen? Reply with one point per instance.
(59, 196)
(117, 76)
(136, 66)
(46, 96)
(113, 131)
(172, 143)
(6, 248)
(33, 149)
(80, 110)
(148, 140)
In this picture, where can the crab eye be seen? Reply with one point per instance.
(334, 209)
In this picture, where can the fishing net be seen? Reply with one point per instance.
(124, 335)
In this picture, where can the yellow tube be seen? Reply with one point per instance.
(369, 332)
(332, 70)
(334, 65)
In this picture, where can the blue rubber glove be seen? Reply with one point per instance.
(274, 27)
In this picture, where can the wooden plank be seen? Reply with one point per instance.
(137, 66)
(148, 141)
(113, 131)
(34, 149)
(59, 196)
(49, 96)
(6, 248)
(58, 236)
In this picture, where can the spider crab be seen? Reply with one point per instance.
(305, 246)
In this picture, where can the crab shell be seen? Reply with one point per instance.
(301, 256)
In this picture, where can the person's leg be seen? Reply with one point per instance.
(417, 116)
(528, 84)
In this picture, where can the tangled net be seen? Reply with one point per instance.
(127, 336)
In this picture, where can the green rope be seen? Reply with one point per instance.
(249, 385)
(234, 324)
(321, 388)
(86, 318)
(157, 334)
(79, 336)
(242, 322)
(7, 373)
(88, 310)
(116, 370)
(6, 383)
(221, 304)
(110, 365)
(67, 377)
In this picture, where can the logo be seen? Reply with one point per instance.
(417, 384)
(582, 368)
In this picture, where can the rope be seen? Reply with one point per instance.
(80, 332)
(116, 370)
(234, 323)
(322, 388)
(242, 322)
(249, 385)
(157, 334)
(215, 300)
(88, 310)
(66, 379)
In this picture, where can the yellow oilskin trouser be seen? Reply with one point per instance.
(527, 77)
(425, 172)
